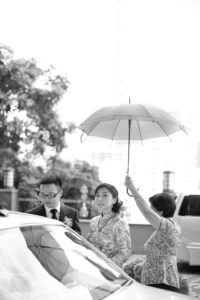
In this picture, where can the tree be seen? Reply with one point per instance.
(28, 97)
(74, 176)
(28, 120)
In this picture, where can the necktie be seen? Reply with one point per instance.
(54, 211)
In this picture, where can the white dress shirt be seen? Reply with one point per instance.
(48, 211)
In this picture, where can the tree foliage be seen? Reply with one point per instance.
(28, 120)
(74, 176)
(28, 97)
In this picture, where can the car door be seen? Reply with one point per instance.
(187, 215)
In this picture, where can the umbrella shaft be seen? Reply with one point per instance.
(129, 138)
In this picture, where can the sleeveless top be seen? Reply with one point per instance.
(160, 265)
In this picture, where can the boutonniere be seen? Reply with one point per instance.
(67, 221)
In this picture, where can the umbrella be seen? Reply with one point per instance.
(128, 122)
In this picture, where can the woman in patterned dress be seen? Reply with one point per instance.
(109, 232)
(160, 266)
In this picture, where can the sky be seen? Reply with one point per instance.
(111, 50)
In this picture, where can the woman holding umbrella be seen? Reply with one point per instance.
(160, 266)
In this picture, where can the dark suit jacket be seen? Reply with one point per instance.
(65, 211)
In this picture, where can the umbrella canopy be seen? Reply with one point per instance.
(128, 122)
(146, 122)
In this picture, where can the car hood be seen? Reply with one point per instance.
(138, 291)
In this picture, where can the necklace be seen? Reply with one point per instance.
(103, 221)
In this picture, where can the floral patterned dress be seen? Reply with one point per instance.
(111, 235)
(160, 265)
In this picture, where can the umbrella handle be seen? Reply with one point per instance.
(127, 191)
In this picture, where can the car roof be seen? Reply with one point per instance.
(9, 219)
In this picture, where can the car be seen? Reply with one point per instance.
(43, 259)
(187, 215)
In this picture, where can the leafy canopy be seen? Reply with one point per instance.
(28, 97)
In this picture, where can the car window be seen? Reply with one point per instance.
(73, 261)
(23, 277)
(190, 206)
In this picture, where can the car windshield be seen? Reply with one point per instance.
(34, 257)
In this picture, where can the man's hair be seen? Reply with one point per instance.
(51, 179)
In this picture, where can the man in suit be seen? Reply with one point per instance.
(50, 193)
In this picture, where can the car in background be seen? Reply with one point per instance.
(187, 215)
(43, 259)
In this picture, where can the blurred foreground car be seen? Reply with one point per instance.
(187, 215)
(43, 259)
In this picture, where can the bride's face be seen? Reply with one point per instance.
(104, 200)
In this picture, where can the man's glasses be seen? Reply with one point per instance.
(49, 196)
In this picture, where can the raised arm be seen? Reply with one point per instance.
(151, 216)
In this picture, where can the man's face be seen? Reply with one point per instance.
(50, 194)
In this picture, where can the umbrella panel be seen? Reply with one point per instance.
(140, 130)
(131, 112)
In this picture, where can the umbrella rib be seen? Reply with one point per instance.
(93, 127)
(81, 138)
(115, 130)
(157, 123)
(140, 132)
(88, 133)
(163, 130)
(180, 127)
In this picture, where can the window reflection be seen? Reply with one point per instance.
(71, 260)
(190, 206)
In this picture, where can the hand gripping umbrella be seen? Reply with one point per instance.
(128, 122)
